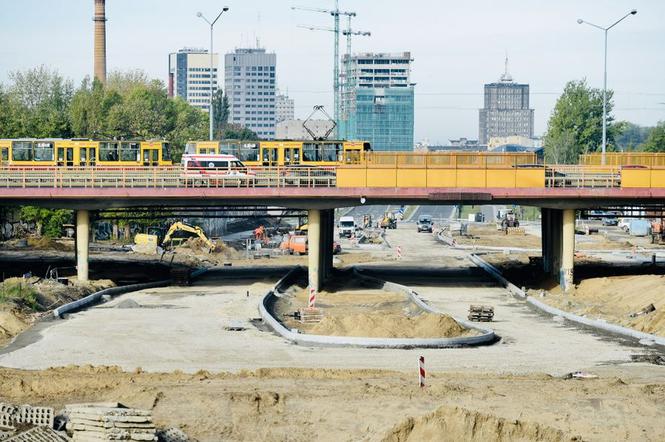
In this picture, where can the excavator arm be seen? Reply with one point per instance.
(179, 226)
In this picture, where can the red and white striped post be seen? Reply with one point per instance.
(421, 371)
(398, 251)
(312, 298)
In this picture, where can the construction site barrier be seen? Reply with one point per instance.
(487, 336)
(641, 337)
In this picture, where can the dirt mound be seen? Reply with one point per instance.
(44, 243)
(128, 303)
(377, 325)
(615, 299)
(459, 424)
(221, 250)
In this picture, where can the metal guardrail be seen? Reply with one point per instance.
(579, 176)
(556, 176)
(165, 177)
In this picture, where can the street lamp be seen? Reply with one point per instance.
(580, 21)
(212, 24)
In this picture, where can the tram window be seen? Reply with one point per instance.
(227, 148)
(249, 152)
(190, 148)
(108, 152)
(129, 152)
(43, 151)
(5, 155)
(310, 152)
(22, 151)
(166, 151)
(330, 152)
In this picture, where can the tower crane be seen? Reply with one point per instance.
(346, 86)
(335, 13)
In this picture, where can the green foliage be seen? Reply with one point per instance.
(19, 292)
(630, 136)
(48, 221)
(575, 126)
(220, 107)
(238, 132)
(656, 140)
(35, 104)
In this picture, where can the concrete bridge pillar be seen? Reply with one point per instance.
(314, 249)
(320, 231)
(82, 243)
(558, 244)
(568, 250)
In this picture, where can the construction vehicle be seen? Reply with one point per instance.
(297, 244)
(389, 221)
(168, 240)
(508, 221)
(347, 226)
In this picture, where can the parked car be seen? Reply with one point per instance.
(624, 224)
(610, 221)
(425, 223)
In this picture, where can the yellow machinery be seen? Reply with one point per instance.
(182, 227)
(83, 153)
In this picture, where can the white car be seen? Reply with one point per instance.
(624, 224)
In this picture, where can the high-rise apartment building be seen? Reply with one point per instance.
(506, 110)
(249, 78)
(284, 108)
(189, 76)
(377, 100)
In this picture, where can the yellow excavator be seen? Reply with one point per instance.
(182, 227)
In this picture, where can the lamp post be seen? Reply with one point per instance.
(212, 24)
(580, 21)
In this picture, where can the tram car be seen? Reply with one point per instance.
(32, 152)
(285, 153)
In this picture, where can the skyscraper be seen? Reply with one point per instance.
(249, 78)
(189, 76)
(506, 110)
(284, 108)
(377, 100)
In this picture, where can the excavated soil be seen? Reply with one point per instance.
(461, 424)
(361, 308)
(25, 300)
(301, 405)
(615, 299)
(488, 235)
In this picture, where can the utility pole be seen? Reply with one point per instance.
(212, 76)
(605, 30)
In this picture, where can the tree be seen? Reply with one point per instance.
(49, 222)
(630, 136)
(576, 122)
(239, 132)
(656, 140)
(220, 107)
(37, 103)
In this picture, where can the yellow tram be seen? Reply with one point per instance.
(31, 152)
(285, 153)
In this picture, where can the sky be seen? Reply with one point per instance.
(456, 47)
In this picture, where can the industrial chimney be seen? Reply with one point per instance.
(100, 40)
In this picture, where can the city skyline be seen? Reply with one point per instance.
(454, 57)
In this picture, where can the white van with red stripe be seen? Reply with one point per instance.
(214, 166)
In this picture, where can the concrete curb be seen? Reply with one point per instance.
(641, 337)
(113, 291)
(487, 337)
(449, 241)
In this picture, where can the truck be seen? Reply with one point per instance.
(389, 221)
(347, 226)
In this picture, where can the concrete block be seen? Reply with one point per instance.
(37, 434)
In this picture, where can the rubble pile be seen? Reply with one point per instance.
(96, 423)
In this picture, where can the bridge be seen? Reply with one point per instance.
(396, 179)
